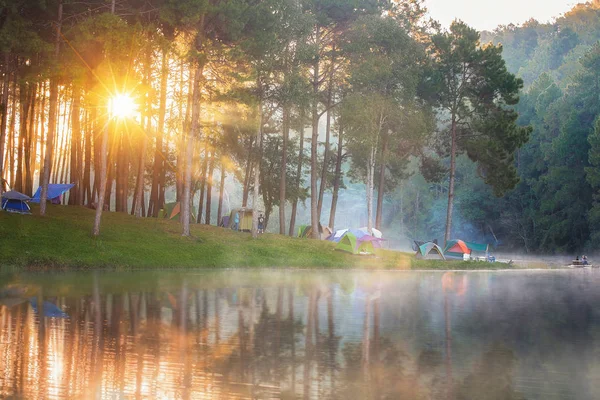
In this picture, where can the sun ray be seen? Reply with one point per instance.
(122, 105)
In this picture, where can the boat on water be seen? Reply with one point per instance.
(577, 263)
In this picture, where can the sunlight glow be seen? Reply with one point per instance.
(122, 106)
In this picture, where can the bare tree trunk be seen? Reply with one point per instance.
(42, 132)
(202, 183)
(31, 141)
(370, 184)
(283, 173)
(64, 147)
(180, 141)
(298, 175)
(187, 187)
(381, 185)
(314, 216)
(336, 180)
(102, 185)
(221, 189)
(211, 170)
(22, 146)
(52, 123)
(13, 117)
(87, 190)
(75, 146)
(257, 170)
(327, 136)
(154, 204)
(451, 184)
(4, 109)
(139, 190)
(248, 175)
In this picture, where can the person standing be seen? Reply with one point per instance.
(261, 224)
(236, 221)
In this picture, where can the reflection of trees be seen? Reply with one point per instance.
(374, 368)
(492, 377)
(308, 339)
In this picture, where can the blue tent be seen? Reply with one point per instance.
(15, 202)
(48, 309)
(54, 192)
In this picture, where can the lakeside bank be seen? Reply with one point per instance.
(61, 241)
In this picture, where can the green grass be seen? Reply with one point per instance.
(457, 265)
(61, 241)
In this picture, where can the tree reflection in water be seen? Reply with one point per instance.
(302, 335)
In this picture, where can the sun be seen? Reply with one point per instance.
(122, 106)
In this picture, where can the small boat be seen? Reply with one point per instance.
(581, 264)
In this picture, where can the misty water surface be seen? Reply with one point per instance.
(301, 334)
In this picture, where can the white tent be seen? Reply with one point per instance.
(376, 232)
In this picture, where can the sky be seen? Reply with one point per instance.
(488, 14)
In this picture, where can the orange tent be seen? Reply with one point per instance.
(456, 249)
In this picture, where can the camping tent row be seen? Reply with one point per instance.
(16, 202)
(356, 241)
(455, 249)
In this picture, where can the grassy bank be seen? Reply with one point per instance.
(61, 240)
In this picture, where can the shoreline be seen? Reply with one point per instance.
(61, 242)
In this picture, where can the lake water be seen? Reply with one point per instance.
(269, 334)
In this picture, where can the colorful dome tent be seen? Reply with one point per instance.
(430, 251)
(461, 249)
(456, 249)
(337, 235)
(374, 232)
(172, 211)
(15, 202)
(358, 244)
(305, 231)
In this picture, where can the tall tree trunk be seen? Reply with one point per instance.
(3, 120)
(298, 175)
(52, 120)
(88, 160)
(451, 184)
(336, 179)
(314, 216)
(327, 136)
(370, 184)
(102, 183)
(202, 183)
(139, 189)
(139, 208)
(248, 174)
(209, 181)
(155, 205)
(13, 117)
(42, 132)
(23, 146)
(283, 173)
(64, 143)
(257, 169)
(182, 143)
(76, 146)
(381, 184)
(187, 187)
(221, 189)
(31, 140)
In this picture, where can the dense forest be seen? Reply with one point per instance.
(308, 109)
(555, 206)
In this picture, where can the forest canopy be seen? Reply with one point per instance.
(308, 110)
